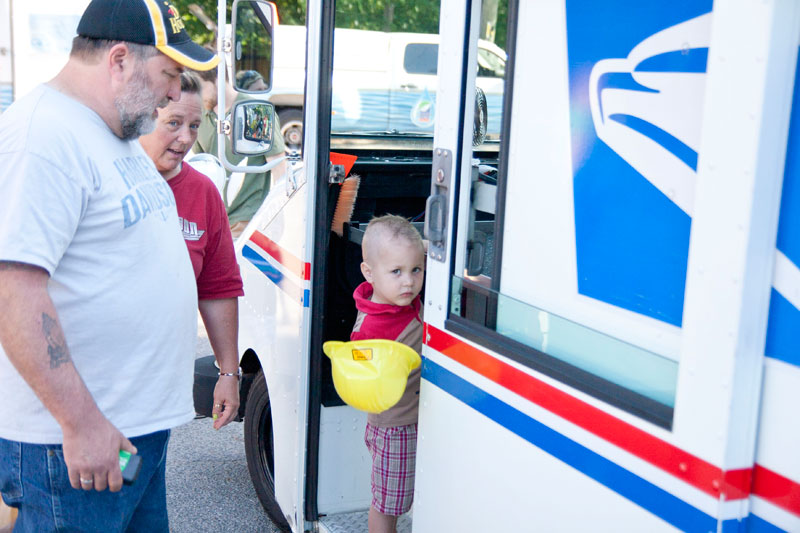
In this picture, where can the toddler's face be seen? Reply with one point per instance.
(396, 272)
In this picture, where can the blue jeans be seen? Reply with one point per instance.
(33, 478)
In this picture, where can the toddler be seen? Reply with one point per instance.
(389, 307)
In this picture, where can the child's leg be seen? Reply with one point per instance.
(393, 451)
(381, 523)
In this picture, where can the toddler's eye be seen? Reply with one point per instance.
(396, 271)
(416, 270)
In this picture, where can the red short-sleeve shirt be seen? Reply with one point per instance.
(207, 234)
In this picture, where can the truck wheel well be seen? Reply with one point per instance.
(250, 363)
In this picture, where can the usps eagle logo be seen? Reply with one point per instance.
(637, 89)
(653, 121)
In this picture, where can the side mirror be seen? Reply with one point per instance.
(253, 127)
(252, 45)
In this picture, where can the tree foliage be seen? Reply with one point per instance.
(200, 16)
(418, 16)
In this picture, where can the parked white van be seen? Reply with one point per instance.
(384, 82)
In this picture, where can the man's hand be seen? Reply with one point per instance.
(226, 400)
(91, 452)
(33, 340)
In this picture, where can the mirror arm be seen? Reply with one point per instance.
(258, 169)
(224, 47)
(221, 80)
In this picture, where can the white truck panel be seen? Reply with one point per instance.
(342, 443)
(740, 169)
(461, 469)
(779, 433)
(702, 141)
(629, 461)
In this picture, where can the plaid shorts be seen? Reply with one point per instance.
(394, 456)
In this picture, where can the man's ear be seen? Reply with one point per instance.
(366, 271)
(120, 61)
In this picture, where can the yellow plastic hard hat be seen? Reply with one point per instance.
(371, 375)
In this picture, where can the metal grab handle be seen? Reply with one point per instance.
(435, 218)
(436, 207)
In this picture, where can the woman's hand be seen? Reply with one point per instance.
(221, 318)
(226, 400)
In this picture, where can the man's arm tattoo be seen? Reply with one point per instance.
(56, 346)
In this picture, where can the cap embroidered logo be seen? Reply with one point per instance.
(175, 19)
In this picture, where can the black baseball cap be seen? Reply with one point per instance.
(150, 22)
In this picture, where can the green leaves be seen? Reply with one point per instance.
(200, 16)
(417, 16)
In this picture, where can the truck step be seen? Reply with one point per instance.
(357, 523)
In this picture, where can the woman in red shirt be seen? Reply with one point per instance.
(205, 228)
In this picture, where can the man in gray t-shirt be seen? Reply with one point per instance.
(97, 293)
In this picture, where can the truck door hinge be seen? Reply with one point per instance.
(337, 174)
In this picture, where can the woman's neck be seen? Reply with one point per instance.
(172, 173)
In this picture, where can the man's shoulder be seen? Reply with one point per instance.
(46, 100)
(43, 120)
(207, 133)
(208, 119)
(20, 118)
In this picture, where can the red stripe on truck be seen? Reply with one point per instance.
(291, 262)
(734, 484)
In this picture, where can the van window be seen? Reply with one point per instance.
(384, 88)
(421, 58)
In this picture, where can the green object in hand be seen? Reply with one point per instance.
(124, 457)
(130, 466)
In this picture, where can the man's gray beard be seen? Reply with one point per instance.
(135, 126)
(135, 107)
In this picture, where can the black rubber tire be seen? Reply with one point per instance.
(292, 127)
(259, 450)
(481, 118)
(205, 379)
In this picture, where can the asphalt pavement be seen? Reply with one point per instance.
(208, 485)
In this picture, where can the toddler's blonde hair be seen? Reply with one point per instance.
(389, 227)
